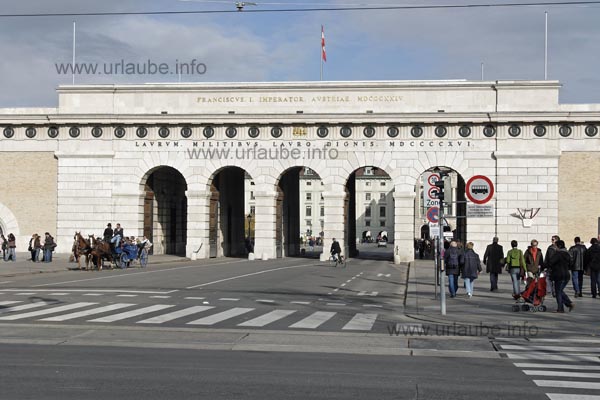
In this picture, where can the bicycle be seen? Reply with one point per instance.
(334, 261)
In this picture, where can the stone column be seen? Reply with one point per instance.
(335, 220)
(404, 220)
(198, 218)
(265, 225)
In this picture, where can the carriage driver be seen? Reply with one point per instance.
(108, 233)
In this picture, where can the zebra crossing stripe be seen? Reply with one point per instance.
(557, 366)
(53, 310)
(268, 318)
(561, 396)
(567, 384)
(552, 357)
(222, 316)
(132, 313)
(314, 320)
(550, 348)
(7, 303)
(26, 306)
(175, 314)
(563, 374)
(85, 313)
(361, 322)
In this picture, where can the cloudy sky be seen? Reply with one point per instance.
(365, 45)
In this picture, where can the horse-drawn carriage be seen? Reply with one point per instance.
(97, 250)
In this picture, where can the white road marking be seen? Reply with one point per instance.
(6, 303)
(361, 322)
(265, 301)
(373, 305)
(2, 283)
(372, 294)
(314, 320)
(561, 396)
(85, 313)
(25, 294)
(569, 340)
(59, 294)
(562, 374)
(250, 274)
(268, 318)
(175, 314)
(300, 302)
(550, 348)
(122, 276)
(336, 304)
(567, 384)
(127, 295)
(26, 306)
(133, 313)
(93, 294)
(228, 299)
(194, 298)
(552, 357)
(92, 290)
(386, 275)
(343, 284)
(222, 316)
(557, 366)
(160, 297)
(53, 310)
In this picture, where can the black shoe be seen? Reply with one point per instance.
(571, 307)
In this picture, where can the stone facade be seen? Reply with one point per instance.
(111, 138)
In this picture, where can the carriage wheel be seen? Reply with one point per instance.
(525, 307)
(144, 258)
(516, 308)
(542, 308)
(123, 260)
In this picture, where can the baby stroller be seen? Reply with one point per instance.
(533, 295)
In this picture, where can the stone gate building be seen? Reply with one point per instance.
(170, 160)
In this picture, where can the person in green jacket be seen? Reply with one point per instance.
(515, 264)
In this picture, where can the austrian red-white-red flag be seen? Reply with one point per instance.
(323, 53)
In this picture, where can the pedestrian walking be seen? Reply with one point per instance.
(592, 264)
(559, 264)
(534, 260)
(32, 248)
(515, 265)
(49, 246)
(493, 258)
(4, 246)
(12, 247)
(453, 260)
(471, 268)
(549, 253)
(577, 253)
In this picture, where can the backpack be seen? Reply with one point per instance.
(453, 258)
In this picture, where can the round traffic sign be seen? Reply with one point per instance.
(433, 178)
(433, 192)
(433, 215)
(479, 189)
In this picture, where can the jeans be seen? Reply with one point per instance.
(469, 285)
(47, 255)
(575, 280)
(561, 297)
(116, 240)
(36, 255)
(12, 254)
(595, 281)
(515, 275)
(452, 284)
(494, 280)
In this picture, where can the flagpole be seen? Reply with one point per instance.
(321, 53)
(546, 47)
(73, 64)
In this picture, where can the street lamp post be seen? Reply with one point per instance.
(249, 222)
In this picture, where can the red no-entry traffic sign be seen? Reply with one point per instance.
(479, 189)
(433, 215)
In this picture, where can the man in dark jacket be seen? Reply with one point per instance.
(108, 233)
(577, 253)
(549, 253)
(336, 250)
(592, 262)
(453, 260)
(559, 264)
(494, 262)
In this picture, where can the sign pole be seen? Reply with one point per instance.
(440, 262)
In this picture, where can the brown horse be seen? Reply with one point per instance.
(100, 250)
(82, 247)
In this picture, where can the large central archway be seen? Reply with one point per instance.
(165, 211)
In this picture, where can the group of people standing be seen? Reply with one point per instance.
(9, 247)
(36, 245)
(561, 265)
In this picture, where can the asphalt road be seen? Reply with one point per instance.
(55, 372)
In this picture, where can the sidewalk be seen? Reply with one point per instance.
(60, 263)
(494, 309)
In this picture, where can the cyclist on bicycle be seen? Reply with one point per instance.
(336, 250)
